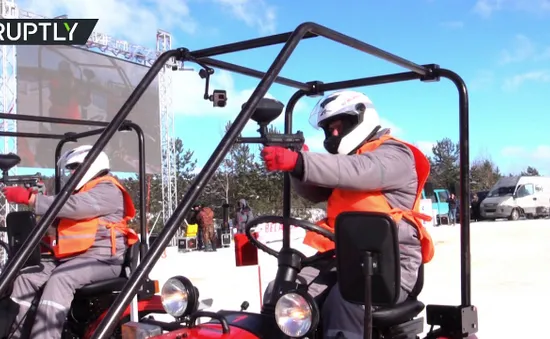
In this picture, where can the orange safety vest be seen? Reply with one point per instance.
(374, 201)
(77, 236)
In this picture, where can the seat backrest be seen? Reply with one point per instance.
(419, 283)
(20, 225)
(131, 257)
(357, 234)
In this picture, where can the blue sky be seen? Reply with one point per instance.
(500, 47)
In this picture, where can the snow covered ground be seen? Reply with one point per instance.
(510, 276)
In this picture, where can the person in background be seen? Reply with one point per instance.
(475, 208)
(452, 209)
(67, 96)
(243, 215)
(205, 219)
(193, 220)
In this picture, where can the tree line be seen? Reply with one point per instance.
(484, 173)
(243, 176)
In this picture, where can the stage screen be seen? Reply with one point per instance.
(73, 83)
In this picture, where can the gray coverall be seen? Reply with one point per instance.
(60, 280)
(243, 215)
(390, 168)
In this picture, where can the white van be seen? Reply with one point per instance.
(513, 197)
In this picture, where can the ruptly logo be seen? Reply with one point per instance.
(46, 31)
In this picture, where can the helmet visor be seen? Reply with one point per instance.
(66, 170)
(327, 109)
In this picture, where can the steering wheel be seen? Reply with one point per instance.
(308, 226)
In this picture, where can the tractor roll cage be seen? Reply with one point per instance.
(290, 41)
(75, 137)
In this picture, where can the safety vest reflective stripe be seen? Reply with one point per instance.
(346, 201)
(77, 236)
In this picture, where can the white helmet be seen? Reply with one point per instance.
(71, 159)
(361, 121)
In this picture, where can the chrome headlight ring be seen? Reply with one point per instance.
(179, 297)
(296, 314)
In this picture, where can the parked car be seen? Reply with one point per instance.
(513, 197)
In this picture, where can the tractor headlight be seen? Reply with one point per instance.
(179, 297)
(296, 314)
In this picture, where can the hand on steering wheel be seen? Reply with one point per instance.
(308, 226)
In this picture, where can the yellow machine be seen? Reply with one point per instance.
(192, 230)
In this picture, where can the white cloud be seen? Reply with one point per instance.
(481, 80)
(515, 82)
(544, 55)
(135, 20)
(486, 8)
(254, 13)
(188, 94)
(455, 24)
(517, 158)
(522, 49)
(512, 151)
(188, 98)
(425, 146)
(138, 20)
(396, 131)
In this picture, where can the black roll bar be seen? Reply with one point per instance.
(290, 41)
(31, 135)
(464, 137)
(52, 120)
(251, 72)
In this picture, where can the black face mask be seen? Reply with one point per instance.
(332, 143)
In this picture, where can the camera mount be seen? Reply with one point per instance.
(218, 96)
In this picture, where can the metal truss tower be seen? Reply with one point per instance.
(167, 133)
(8, 102)
(107, 45)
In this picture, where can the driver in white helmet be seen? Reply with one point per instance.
(366, 170)
(92, 236)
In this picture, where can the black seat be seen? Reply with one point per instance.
(8, 161)
(113, 285)
(19, 225)
(385, 317)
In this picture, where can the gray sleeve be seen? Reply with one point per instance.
(389, 167)
(313, 193)
(104, 199)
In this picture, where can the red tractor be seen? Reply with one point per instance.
(366, 251)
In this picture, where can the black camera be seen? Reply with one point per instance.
(219, 98)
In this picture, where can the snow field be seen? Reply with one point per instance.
(510, 271)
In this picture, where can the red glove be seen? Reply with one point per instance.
(278, 158)
(305, 148)
(17, 194)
